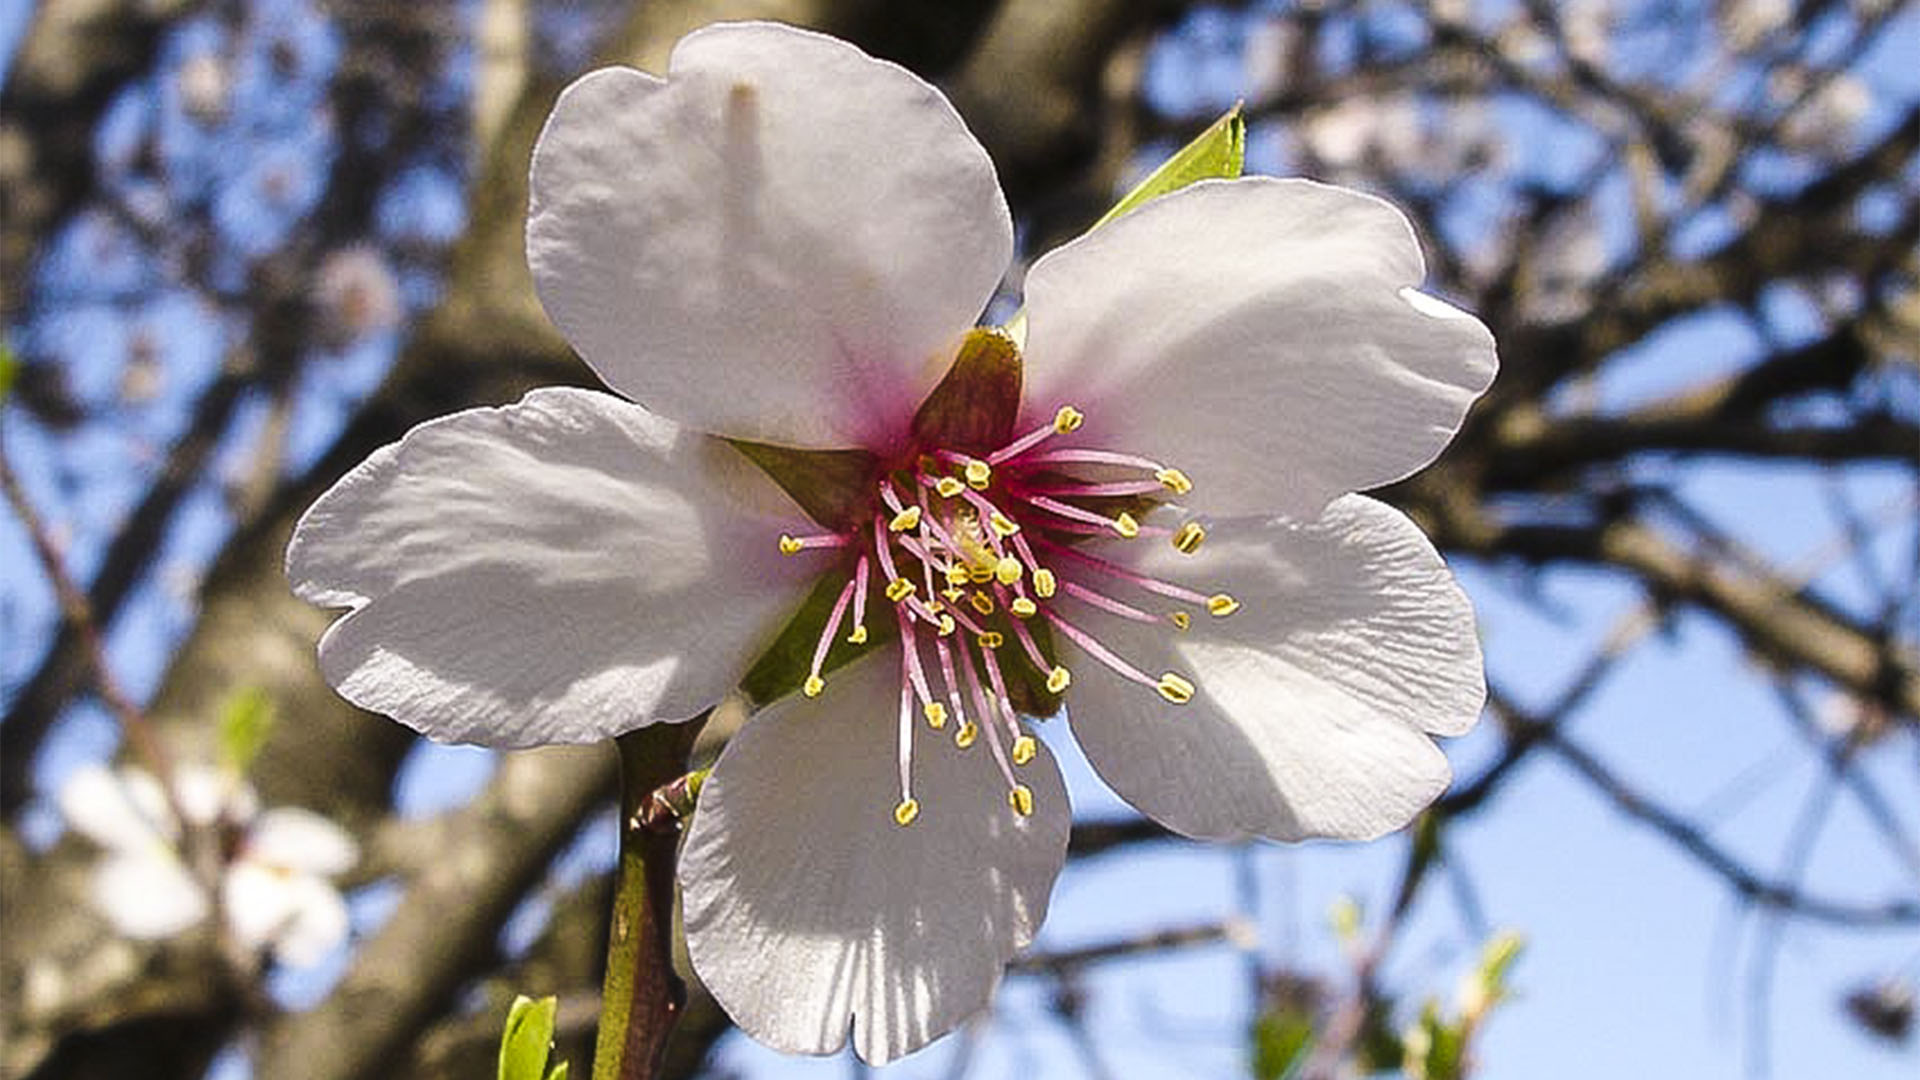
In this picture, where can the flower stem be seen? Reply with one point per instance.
(643, 998)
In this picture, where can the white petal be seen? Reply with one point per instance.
(780, 241)
(560, 570)
(807, 908)
(291, 838)
(1263, 335)
(120, 811)
(208, 794)
(147, 894)
(298, 916)
(1314, 699)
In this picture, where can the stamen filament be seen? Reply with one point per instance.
(1124, 524)
(1065, 419)
(794, 545)
(859, 634)
(1152, 585)
(908, 808)
(1108, 603)
(1082, 455)
(1117, 488)
(815, 683)
(1101, 652)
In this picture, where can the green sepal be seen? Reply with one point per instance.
(528, 1039)
(246, 720)
(1436, 1049)
(784, 666)
(974, 408)
(1027, 687)
(1218, 153)
(834, 487)
(1283, 1038)
(9, 371)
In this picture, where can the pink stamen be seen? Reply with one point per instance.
(990, 726)
(910, 660)
(1152, 585)
(860, 592)
(1031, 647)
(821, 540)
(1117, 488)
(833, 627)
(906, 741)
(1078, 455)
(953, 684)
(1107, 603)
(1100, 652)
(1069, 511)
(1024, 443)
(883, 549)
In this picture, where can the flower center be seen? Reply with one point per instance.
(984, 559)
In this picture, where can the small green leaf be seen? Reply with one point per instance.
(9, 370)
(245, 722)
(1218, 153)
(528, 1039)
(559, 1072)
(1282, 1039)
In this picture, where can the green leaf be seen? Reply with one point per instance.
(245, 722)
(559, 1072)
(528, 1039)
(1218, 153)
(9, 370)
(1282, 1039)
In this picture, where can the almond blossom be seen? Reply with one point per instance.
(776, 255)
(275, 889)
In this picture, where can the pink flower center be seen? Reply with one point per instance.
(977, 555)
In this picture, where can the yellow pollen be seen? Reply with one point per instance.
(1008, 570)
(813, 686)
(1021, 799)
(1023, 749)
(1220, 605)
(1022, 607)
(992, 639)
(946, 625)
(968, 732)
(936, 715)
(789, 545)
(1187, 540)
(1181, 620)
(981, 602)
(1126, 526)
(1058, 679)
(905, 519)
(1174, 480)
(859, 635)
(956, 574)
(1174, 688)
(1002, 524)
(936, 606)
(979, 474)
(954, 594)
(1068, 419)
(1043, 583)
(949, 486)
(908, 809)
(899, 589)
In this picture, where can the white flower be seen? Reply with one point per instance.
(786, 241)
(275, 892)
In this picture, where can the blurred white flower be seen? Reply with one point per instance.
(204, 86)
(275, 889)
(356, 297)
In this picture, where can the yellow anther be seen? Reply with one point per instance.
(979, 474)
(1220, 605)
(992, 639)
(1124, 524)
(1181, 620)
(899, 589)
(1058, 679)
(1174, 480)
(1021, 799)
(789, 545)
(980, 575)
(1022, 607)
(949, 486)
(946, 625)
(956, 574)
(968, 732)
(1008, 570)
(1174, 688)
(908, 809)
(905, 519)
(1043, 583)
(1002, 524)
(936, 606)
(936, 715)
(981, 602)
(813, 686)
(954, 594)
(1068, 419)
(859, 635)
(1023, 749)
(1186, 540)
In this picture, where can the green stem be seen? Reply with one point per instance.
(643, 998)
